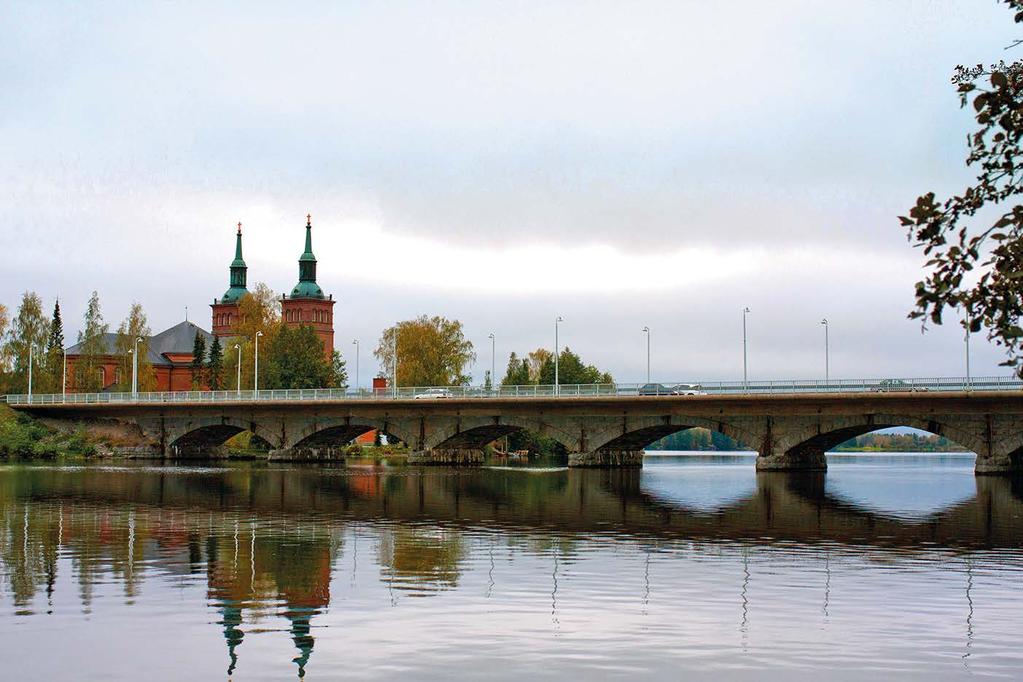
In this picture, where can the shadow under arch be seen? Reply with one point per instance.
(341, 435)
(205, 438)
(523, 434)
(339, 432)
(641, 438)
(827, 441)
(198, 436)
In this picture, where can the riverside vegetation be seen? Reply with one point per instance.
(22, 437)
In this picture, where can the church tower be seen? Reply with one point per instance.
(225, 309)
(307, 304)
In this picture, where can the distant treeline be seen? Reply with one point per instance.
(697, 439)
(899, 442)
(705, 440)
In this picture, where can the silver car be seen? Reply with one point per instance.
(433, 394)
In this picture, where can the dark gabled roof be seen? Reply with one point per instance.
(179, 339)
(109, 346)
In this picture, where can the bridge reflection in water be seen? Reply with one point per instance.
(269, 543)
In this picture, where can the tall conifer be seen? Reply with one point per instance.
(215, 366)
(55, 351)
(199, 362)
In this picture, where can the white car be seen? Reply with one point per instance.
(688, 389)
(433, 394)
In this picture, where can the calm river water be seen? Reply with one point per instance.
(886, 567)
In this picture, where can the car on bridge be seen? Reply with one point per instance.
(896, 385)
(678, 389)
(432, 394)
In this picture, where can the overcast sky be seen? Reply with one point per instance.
(619, 164)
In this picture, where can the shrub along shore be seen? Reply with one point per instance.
(22, 437)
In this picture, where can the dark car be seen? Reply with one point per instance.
(656, 389)
(896, 385)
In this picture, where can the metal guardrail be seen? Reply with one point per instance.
(809, 386)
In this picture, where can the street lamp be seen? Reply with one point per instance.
(255, 373)
(238, 348)
(30, 371)
(647, 331)
(63, 378)
(968, 323)
(745, 376)
(493, 358)
(135, 368)
(356, 344)
(557, 351)
(394, 365)
(827, 359)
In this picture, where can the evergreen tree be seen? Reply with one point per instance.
(338, 371)
(55, 352)
(517, 373)
(198, 362)
(215, 366)
(92, 339)
(571, 370)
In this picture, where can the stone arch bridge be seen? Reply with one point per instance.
(790, 431)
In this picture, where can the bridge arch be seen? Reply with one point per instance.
(215, 431)
(827, 435)
(474, 433)
(340, 431)
(636, 434)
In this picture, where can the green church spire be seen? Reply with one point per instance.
(307, 286)
(239, 273)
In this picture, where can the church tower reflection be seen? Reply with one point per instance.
(266, 573)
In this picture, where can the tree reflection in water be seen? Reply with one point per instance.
(268, 540)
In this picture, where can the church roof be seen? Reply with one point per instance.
(178, 340)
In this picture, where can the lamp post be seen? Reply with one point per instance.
(745, 375)
(238, 348)
(557, 351)
(135, 368)
(493, 359)
(63, 378)
(968, 323)
(394, 365)
(30, 371)
(646, 330)
(827, 358)
(255, 371)
(355, 343)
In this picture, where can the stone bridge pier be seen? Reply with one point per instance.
(788, 432)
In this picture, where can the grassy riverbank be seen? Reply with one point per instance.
(22, 437)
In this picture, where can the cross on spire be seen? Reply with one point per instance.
(308, 218)
(239, 227)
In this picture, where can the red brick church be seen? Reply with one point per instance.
(170, 351)
(307, 304)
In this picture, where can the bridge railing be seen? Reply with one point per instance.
(807, 386)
